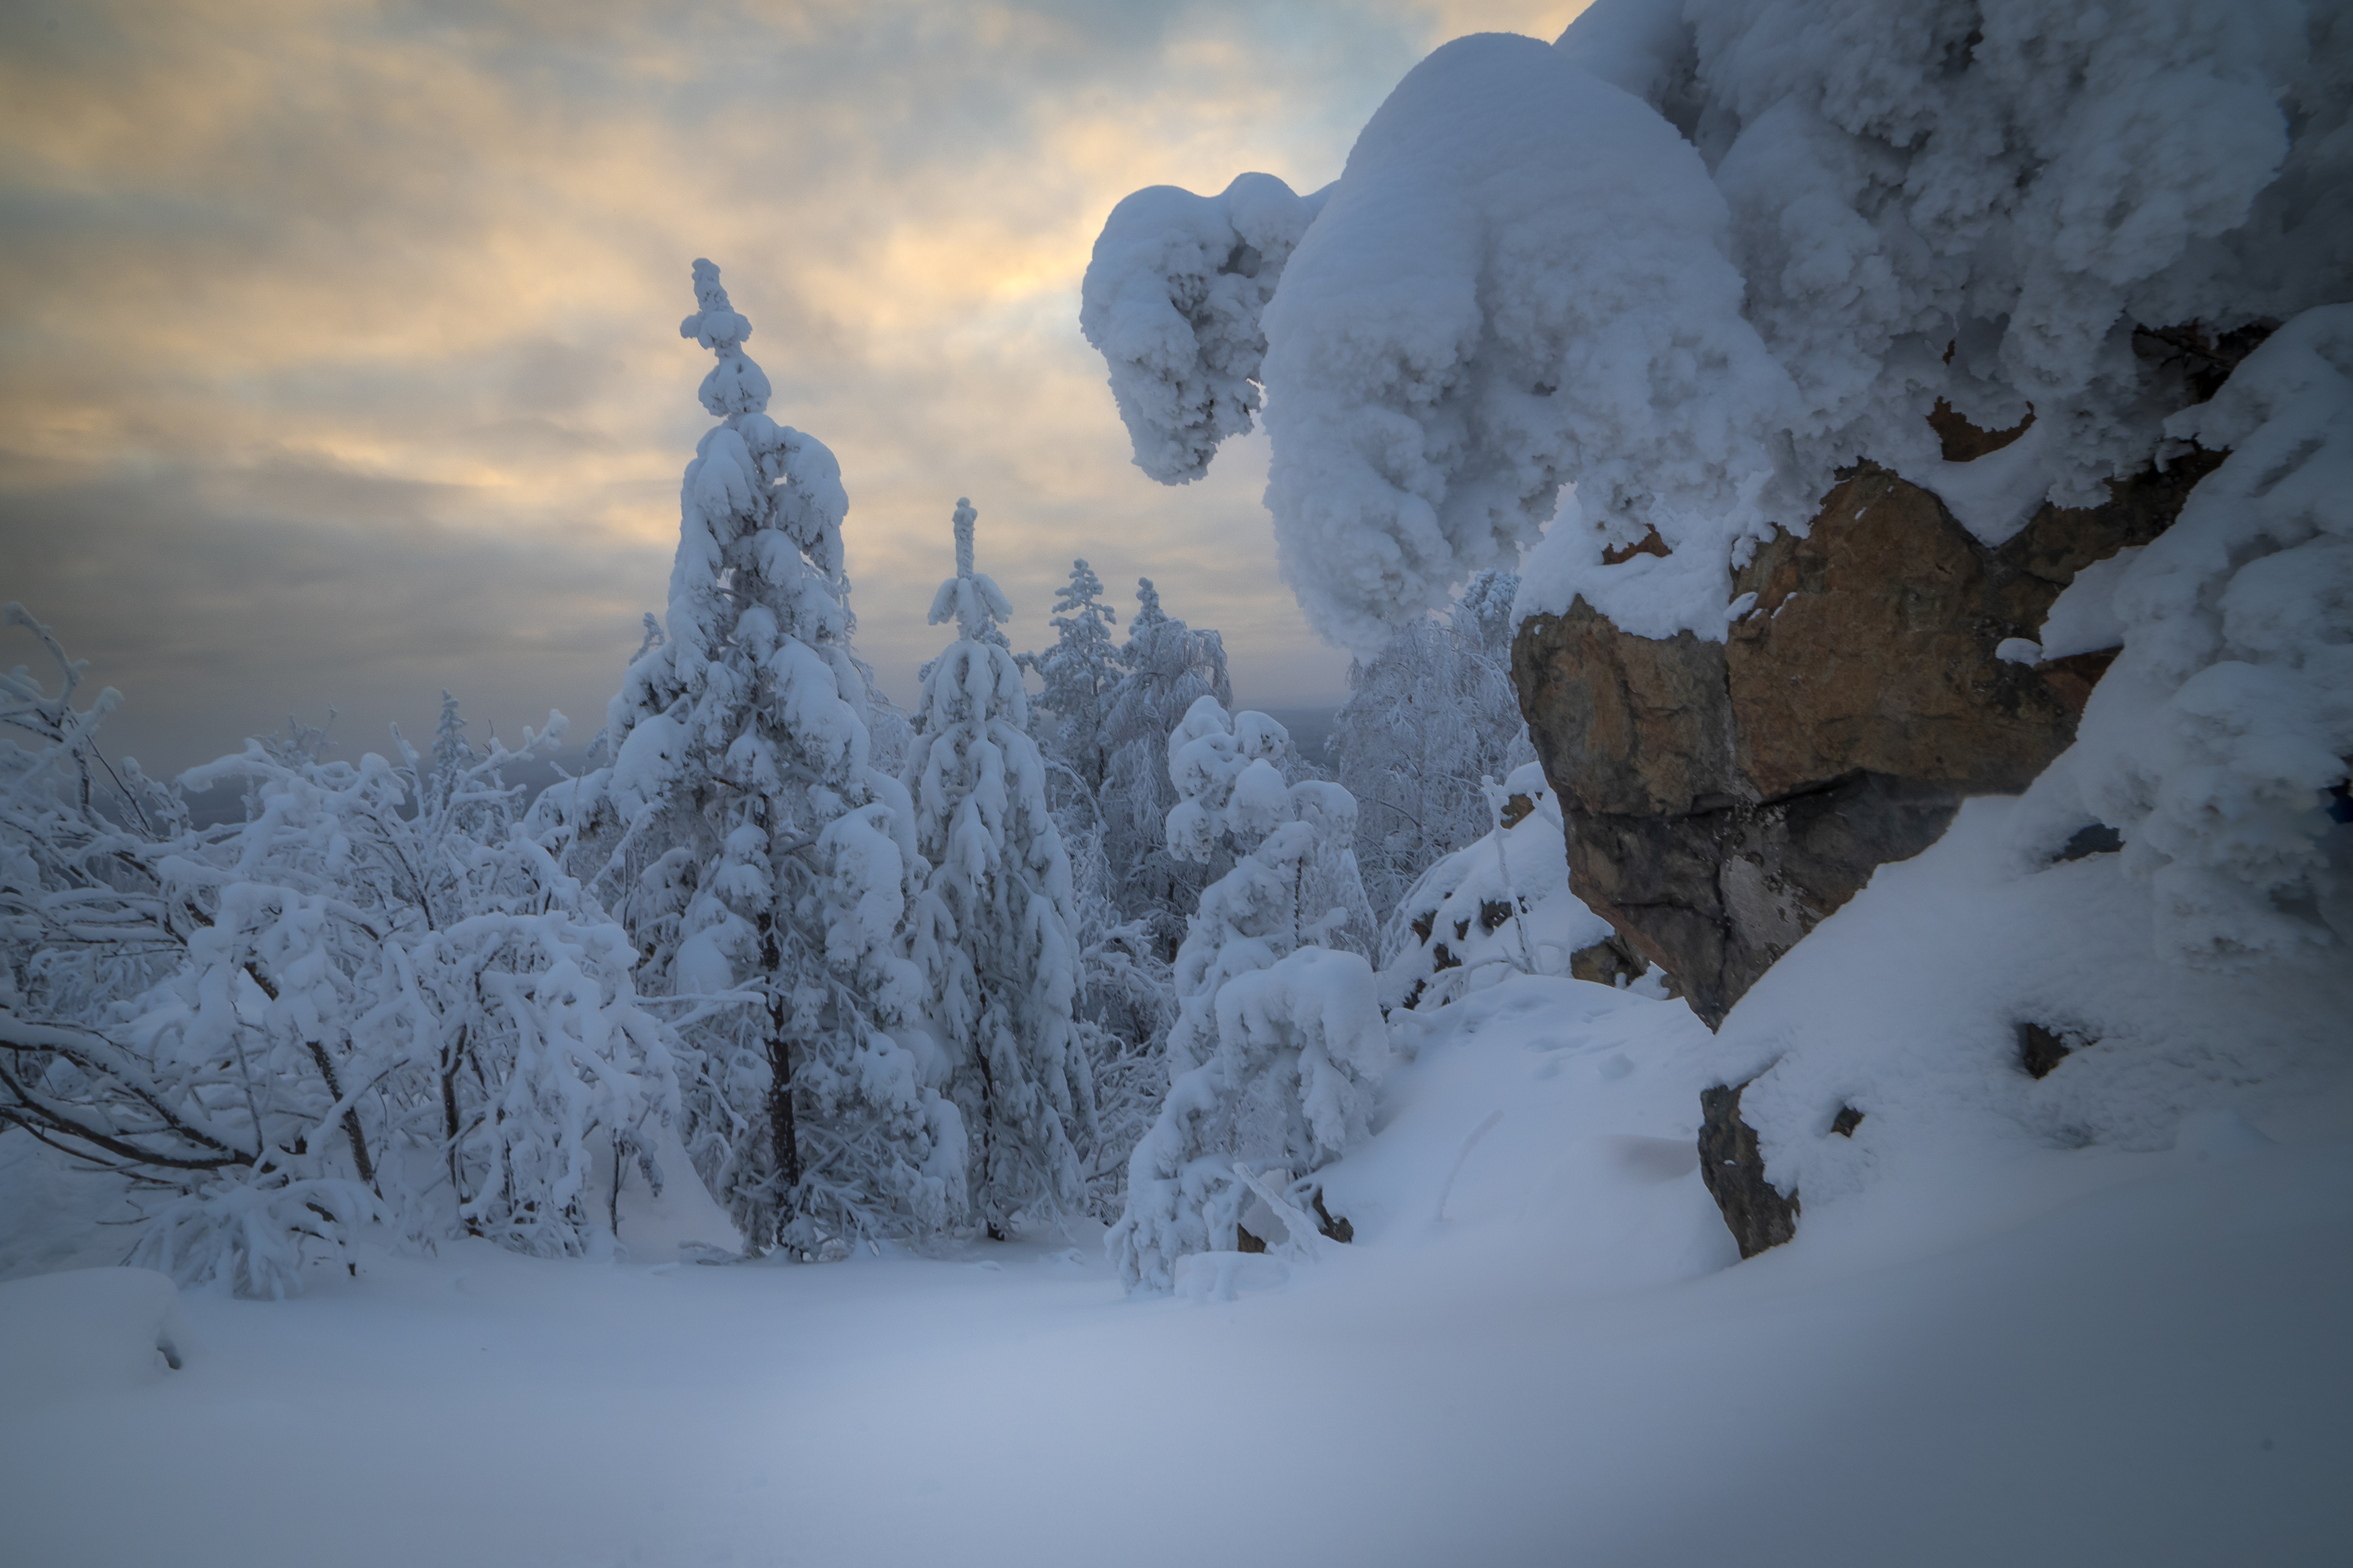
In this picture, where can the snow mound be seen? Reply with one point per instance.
(1172, 299)
(1913, 1007)
(657, 1226)
(1494, 908)
(1547, 1125)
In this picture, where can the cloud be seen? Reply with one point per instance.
(341, 352)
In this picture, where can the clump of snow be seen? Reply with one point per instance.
(1472, 321)
(1995, 495)
(1172, 299)
(2084, 618)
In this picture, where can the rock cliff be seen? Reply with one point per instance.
(1723, 798)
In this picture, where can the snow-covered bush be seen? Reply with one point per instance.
(1500, 905)
(1299, 1048)
(1427, 719)
(994, 927)
(373, 998)
(757, 853)
(1278, 1038)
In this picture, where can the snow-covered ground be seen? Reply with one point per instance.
(2084, 1356)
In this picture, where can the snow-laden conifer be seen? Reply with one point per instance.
(1279, 1041)
(1168, 666)
(1082, 673)
(1124, 1003)
(994, 927)
(757, 853)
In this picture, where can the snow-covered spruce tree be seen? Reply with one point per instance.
(1280, 1041)
(371, 999)
(1427, 717)
(1082, 672)
(993, 927)
(1124, 1004)
(756, 852)
(1168, 666)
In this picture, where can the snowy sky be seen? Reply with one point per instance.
(338, 340)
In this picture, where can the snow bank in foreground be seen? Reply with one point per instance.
(2135, 1357)
(89, 1332)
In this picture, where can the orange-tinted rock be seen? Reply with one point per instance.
(1723, 799)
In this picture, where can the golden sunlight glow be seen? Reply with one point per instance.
(295, 269)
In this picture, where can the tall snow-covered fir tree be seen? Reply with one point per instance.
(759, 856)
(1168, 666)
(1124, 1003)
(994, 927)
(1279, 1041)
(1082, 673)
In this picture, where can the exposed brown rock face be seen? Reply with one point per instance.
(1723, 798)
(1758, 1212)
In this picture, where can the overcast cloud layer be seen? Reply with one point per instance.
(338, 342)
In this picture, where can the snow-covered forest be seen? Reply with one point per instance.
(1799, 1012)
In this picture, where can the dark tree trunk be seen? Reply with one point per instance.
(452, 1062)
(350, 1116)
(784, 1140)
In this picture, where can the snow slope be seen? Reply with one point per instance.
(2068, 1356)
